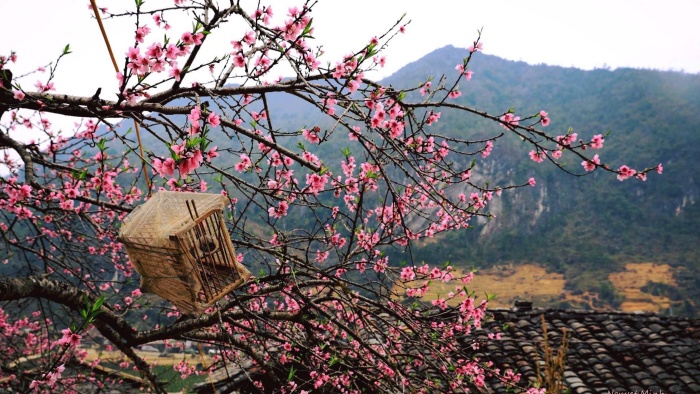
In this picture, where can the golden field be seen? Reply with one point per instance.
(530, 282)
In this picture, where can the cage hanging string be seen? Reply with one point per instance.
(116, 69)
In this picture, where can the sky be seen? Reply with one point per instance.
(587, 34)
(663, 34)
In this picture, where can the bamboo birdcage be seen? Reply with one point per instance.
(181, 256)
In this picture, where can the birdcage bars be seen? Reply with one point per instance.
(214, 258)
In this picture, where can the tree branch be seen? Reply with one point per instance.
(6, 141)
(111, 326)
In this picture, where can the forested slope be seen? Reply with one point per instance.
(595, 224)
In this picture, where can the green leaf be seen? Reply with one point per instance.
(346, 152)
(307, 28)
(101, 144)
(402, 95)
(301, 146)
(66, 50)
(292, 371)
(371, 51)
(98, 303)
(172, 153)
(191, 143)
(79, 175)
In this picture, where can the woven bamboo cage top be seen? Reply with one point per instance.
(165, 214)
(178, 243)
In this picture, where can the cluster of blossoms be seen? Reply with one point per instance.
(185, 369)
(26, 337)
(158, 57)
(16, 195)
(463, 71)
(295, 28)
(569, 141)
(49, 379)
(69, 339)
(393, 341)
(509, 119)
(188, 155)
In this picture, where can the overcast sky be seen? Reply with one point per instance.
(585, 34)
(654, 34)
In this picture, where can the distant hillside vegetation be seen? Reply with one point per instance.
(584, 227)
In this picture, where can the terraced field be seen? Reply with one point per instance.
(531, 282)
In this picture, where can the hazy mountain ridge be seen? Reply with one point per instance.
(586, 225)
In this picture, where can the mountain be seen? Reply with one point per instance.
(585, 228)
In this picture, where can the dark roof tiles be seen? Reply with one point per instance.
(608, 351)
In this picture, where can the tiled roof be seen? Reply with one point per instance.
(608, 351)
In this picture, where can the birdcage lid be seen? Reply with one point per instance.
(166, 213)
